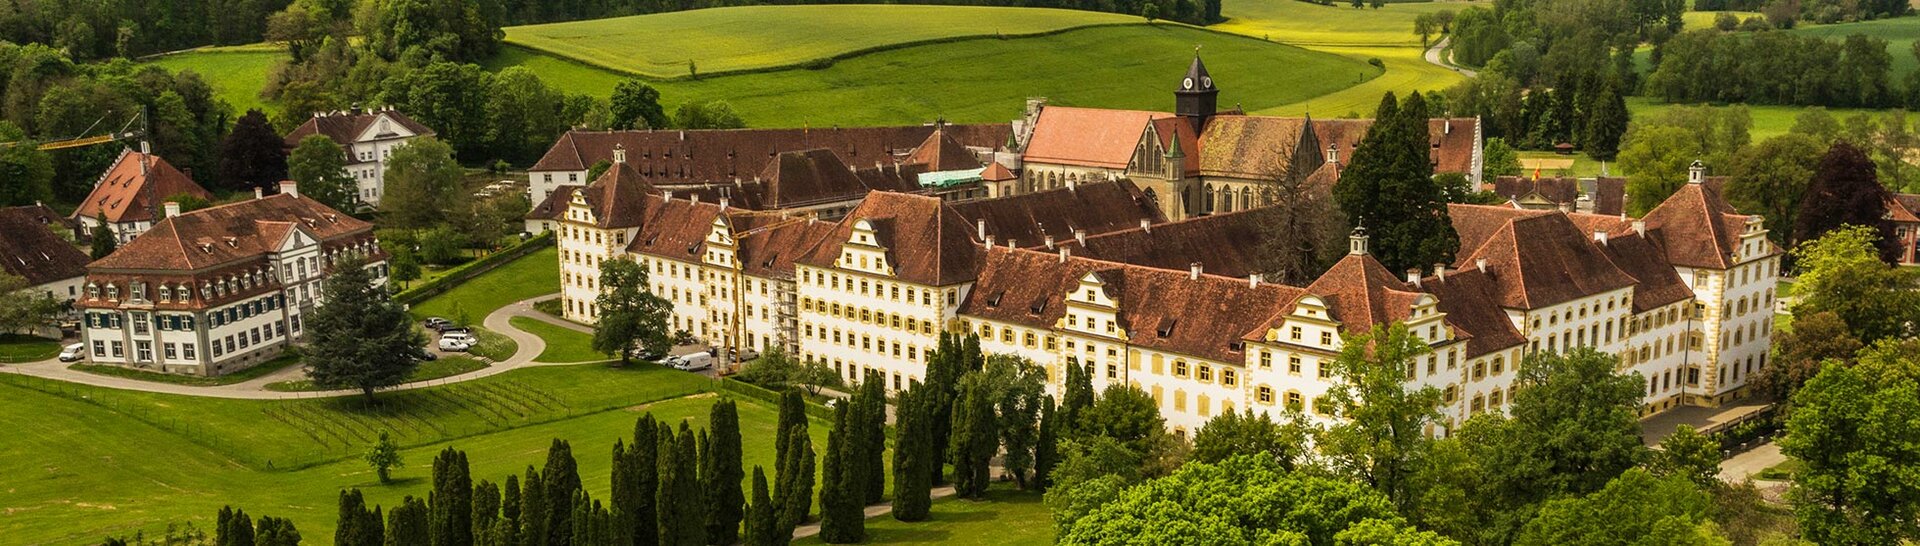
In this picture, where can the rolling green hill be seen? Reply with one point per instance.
(1899, 32)
(236, 75)
(1357, 34)
(760, 37)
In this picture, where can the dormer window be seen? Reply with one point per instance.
(93, 291)
(139, 291)
(166, 293)
(113, 292)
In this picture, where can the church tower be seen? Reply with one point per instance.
(1196, 98)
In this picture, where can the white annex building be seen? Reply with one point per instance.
(368, 137)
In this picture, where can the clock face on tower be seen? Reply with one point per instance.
(1187, 83)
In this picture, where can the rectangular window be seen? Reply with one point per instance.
(171, 352)
(143, 350)
(186, 349)
(119, 349)
(99, 348)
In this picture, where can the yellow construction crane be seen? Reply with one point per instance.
(125, 132)
(731, 352)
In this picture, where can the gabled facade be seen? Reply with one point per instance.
(128, 196)
(220, 289)
(368, 138)
(30, 249)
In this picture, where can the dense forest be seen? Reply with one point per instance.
(101, 29)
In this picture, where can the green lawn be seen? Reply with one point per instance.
(1359, 35)
(531, 275)
(1008, 517)
(446, 366)
(988, 80)
(237, 74)
(563, 344)
(25, 348)
(493, 345)
(79, 471)
(241, 376)
(757, 37)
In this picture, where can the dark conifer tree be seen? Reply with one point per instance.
(272, 531)
(253, 155)
(912, 453)
(1046, 449)
(794, 492)
(722, 473)
(233, 528)
(103, 241)
(871, 426)
(486, 507)
(637, 511)
(510, 505)
(534, 510)
(452, 500)
(943, 387)
(562, 478)
(356, 526)
(1390, 191)
(1607, 120)
(974, 440)
(1846, 190)
(763, 519)
(793, 413)
(1074, 402)
(841, 520)
(679, 500)
(408, 523)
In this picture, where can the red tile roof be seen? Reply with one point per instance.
(30, 249)
(1094, 137)
(1223, 244)
(939, 152)
(1656, 283)
(1471, 301)
(1697, 227)
(345, 128)
(234, 232)
(1609, 193)
(617, 197)
(1901, 206)
(1361, 293)
(996, 172)
(1537, 260)
(555, 205)
(768, 247)
(129, 193)
(684, 157)
(673, 228)
(927, 242)
(1027, 219)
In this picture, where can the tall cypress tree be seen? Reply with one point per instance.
(943, 387)
(872, 447)
(974, 440)
(1607, 121)
(103, 241)
(486, 507)
(1390, 191)
(763, 520)
(534, 510)
(233, 528)
(510, 510)
(452, 506)
(841, 520)
(794, 492)
(272, 531)
(1046, 449)
(562, 478)
(640, 515)
(408, 523)
(622, 481)
(723, 473)
(357, 526)
(1075, 401)
(912, 454)
(679, 500)
(793, 413)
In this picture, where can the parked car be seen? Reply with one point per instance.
(436, 323)
(450, 327)
(73, 353)
(425, 355)
(454, 345)
(460, 336)
(691, 362)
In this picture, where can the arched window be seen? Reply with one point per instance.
(1246, 198)
(1152, 197)
(1206, 203)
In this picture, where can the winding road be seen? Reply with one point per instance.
(528, 347)
(1436, 53)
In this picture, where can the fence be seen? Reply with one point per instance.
(767, 395)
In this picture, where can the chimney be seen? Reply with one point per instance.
(146, 147)
(1446, 128)
(1480, 263)
(1193, 271)
(1440, 272)
(989, 242)
(1064, 253)
(173, 208)
(693, 198)
(723, 204)
(1049, 241)
(1640, 227)
(1600, 236)
(1253, 280)
(980, 229)
(666, 195)
(1146, 225)
(289, 187)
(1081, 236)
(1010, 243)
(1413, 276)
(258, 193)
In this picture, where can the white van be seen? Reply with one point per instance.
(691, 362)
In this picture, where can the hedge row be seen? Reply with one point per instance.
(769, 396)
(467, 271)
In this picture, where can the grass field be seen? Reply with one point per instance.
(1008, 517)
(756, 37)
(528, 276)
(66, 485)
(1385, 34)
(446, 366)
(236, 74)
(987, 80)
(1768, 121)
(563, 344)
(25, 348)
(1899, 32)
(241, 376)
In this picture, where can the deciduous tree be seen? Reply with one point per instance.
(1770, 179)
(319, 166)
(422, 184)
(1635, 508)
(1845, 191)
(1381, 436)
(253, 155)
(103, 242)
(1248, 433)
(630, 316)
(636, 105)
(1800, 352)
(1852, 432)
(1841, 273)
